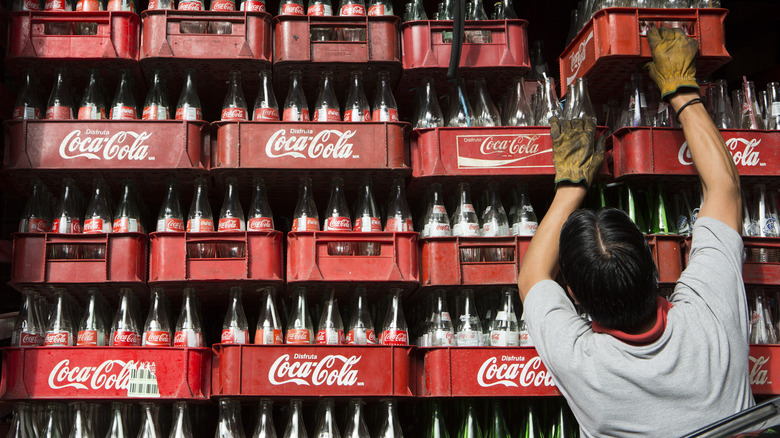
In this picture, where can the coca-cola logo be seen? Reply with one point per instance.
(31, 5)
(30, 339)
(180, 338)
(125, 338)
(328, 143)
(306, 370)
(502, 150)
(577, 58)
(261, 223)
(513, 374)
(397, 337)
(229, 223)
(292, 9)
(742, 150)
(111, 374)
(123, 145)
(353, 10)
(759, 375)
(339, 223)
(223, 6)
(297, 336)
(58, 338)
(233, 114)
(266, 114)
(87, 337)
(158, 337)
(188, 6)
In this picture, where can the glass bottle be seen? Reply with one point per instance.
(380, 7)
(265, 420)
(29, 328)
(356, 425)
(460, 112)
(385, 108)
(200, 220)
(188, 107)
(539, 69)
(170, 217)
(127, 218)
(320, 8)
(356, 108)
(549, 106)
(150, 420)
(468, 326)
(750, 116)
(436, 223)
(235, 328)
(390, 426)
(441, 333)
(361, 329)
(291, 7)
(60, 106)
(260, 217)
(98, 217)
(773, 96)
(228, 425)
(296, 109)
(326, 107)
(399, 216)
(189, 331)
(485, 112)
(662, 221)
(466, 224)
(295, 426)
(429, 115)
(80, 424)
(394, 329)
(125, 330)
(157, 328)
(330, 330)
(305, 217)
(300, 329)
(326, 425)
(93, 327)
(37, 213)
(156, 103)
(123, 105)
(495, 224)
(182, 427)
(722, 108)
(231, 218)
(497, 426)
(523, 218)
(505, 331)
(437, 428)
(234, 106)
(266, 109)
(269, 325)
(27, 105)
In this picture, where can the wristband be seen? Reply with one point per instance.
(685, 105)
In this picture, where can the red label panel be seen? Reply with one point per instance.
(765, 369)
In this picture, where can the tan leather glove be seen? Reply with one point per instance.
(575, 156)
(674, 56)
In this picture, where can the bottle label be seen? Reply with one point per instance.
(330, 336)
(493, 230)
(126, 225)
(189, 112)
(361, 336)
(396, 224)
(464, 229)
(155, 112)
(27, 339)
(189, 6)
(31, 5)
(468, 338)
(525, 339)
(268, 336)
(233, 114)
(35, 225)
(223, 5)
(326, 115)
(375, 11)
(306, 224)
(124, 338)
(261, 224)
(188, 338)
(320, 10)
(385, 114)
(122, 112)
(353, 9)
(54, 5)
(66, 226)
(439, 209)
(96, 226)
(292, 9)
(504, 338)
(367, 224)
(775, 108)
(524, 228)
(502, 315)
(337, 223)
(120, 5)
(26, 112)
(200, 225)
(356, 116)
(436, 230)
(253, 6)
(468, 208)
(230, 224)
(445, 316)
(170, 224)
(298, 336)
(152, 5)
(91, 112)
(443, 338)
(234, 335)
(266, 115)
(157, 338)
(58, 339)
(89, 338)
(295, 114)
(59, 113)
(395, 337)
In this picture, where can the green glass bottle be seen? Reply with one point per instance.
(438, 428)
(629, 202)
(531, 428)
(497, 426)
(662, 222)
(564, 425)
(470, 427)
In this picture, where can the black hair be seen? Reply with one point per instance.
(607, 263)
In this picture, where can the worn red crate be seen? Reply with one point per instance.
(761, 266)
(765, 369)
(123, 263)
(170, 264)
(106, 373)
(481, 372)
(442, 264)
(311, 370)
(114, 46)
(309, 261)
(668, 256)
(150, 149)
(649, 151)
(613, 43)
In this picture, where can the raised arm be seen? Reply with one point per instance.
(674, 71)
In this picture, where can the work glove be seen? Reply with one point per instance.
(575, 156)
(674, 56)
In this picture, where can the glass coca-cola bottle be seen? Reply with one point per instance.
(121, 5)
(435, 222)
(228, 425)
(26, 5)
(429, 114)
(188, 107)
(305, 217)
(394, 329)
(182, 426)
(81, 426)
(200, 220)
(93, 326)
(361, 328)
(296, 108)
(465, 223)
(157, 328)
(123, 105)
(367, 218)
(150, 413)
(37, 213)
(326, 425)
(518, 110)
(160, 4)
(127, 218)
(495, 224)
(750, 116)
(460, 113)
(156, 103)
(269, 325)
(300, 329)
(93, 104)
(170, 217)
(291, 7)
(330, 330)
(266, 109)
(231, 218)
(385, 109)
(222, 27)
(117, 427)
(326, 108)
(356, 108)
(235, 328)
(523, 218)
(337, 218)
(390, 426)
(352, 7)
(98, 217)
(295, 427)
(485, 111)
(265, 420)
(234, 106)
(260, 217)
(468, 327)
(399, 216)
(60, 330)
(28, 329)
(380, 7)
(66, 220)
(253, 5)
(319, 8)
(125, 330)
(192, 26)
(441, 332)
(60, 106)
(189, 332)
(505, 331)
(27, 105)
(356, 424)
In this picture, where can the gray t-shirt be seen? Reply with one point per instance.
(694, 374)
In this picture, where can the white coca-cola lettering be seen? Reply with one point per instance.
(742, 151)
(759, 375)
(234, 114)
(316, 146)
(511, 374)
(577, 58)
(30, 339)
(267, 114)
(521, 144)
(122, 338)
(111, 374)
(353, 10)
(331, 370)
(292, 9)
(253, 6)
(87, 337)
(56, 338)
(118, 146)
(188, 6)
(339, 224)
(223, 5)
(229, 224)
(394, 337)
(260, 224)
(158, 338)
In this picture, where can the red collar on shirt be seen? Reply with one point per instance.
(643, 338)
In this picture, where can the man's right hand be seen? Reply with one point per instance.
(674, 56)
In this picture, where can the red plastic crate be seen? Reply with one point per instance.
(124, 264)
(754, 272)
(170, 267)
(105, 373)
(114, 46)
(442, 265)
(481, 372)
(663, 151)
(308, 261)
(304, 370)
(149, 150)
(765, 369)
(612, 44)
(668, 256)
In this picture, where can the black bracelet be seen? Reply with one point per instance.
(685, 105)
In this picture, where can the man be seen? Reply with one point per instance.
(645, 366)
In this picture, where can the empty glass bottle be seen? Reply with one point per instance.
(429, 114)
